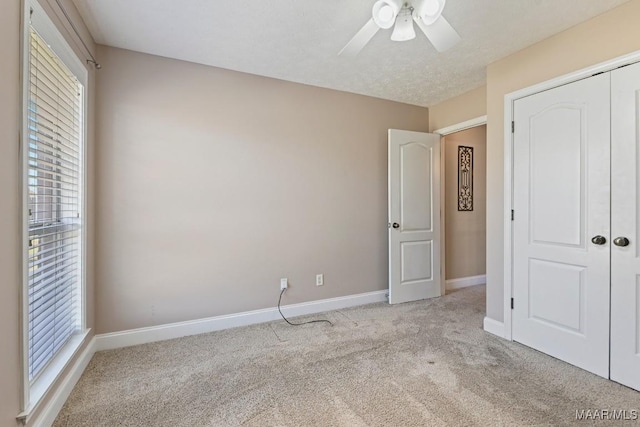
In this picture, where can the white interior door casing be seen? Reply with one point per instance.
(414, 216)
(561, 200)
(625, 218)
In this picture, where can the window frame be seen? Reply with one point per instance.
(34, 390)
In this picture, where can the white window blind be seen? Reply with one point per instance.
(55, 141)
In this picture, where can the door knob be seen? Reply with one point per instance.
(396, 225)
(621, 241)
(598, 240)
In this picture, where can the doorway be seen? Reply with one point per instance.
(464, 207)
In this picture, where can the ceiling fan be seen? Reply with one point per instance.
(426, 13)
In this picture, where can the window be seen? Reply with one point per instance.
(54, 134)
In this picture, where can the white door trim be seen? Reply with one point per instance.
(509, 100)
(458, 127)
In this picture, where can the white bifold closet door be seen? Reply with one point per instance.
(576, 230)
(561, 202)
(625, 220)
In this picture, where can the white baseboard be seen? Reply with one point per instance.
(463, 282)
(494, 327)
(193, 327)
(54, 405)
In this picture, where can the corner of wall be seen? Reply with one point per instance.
(469, 105)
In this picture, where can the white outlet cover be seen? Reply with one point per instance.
(319, 279)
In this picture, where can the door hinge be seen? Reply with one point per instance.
(513, 126)
(512, 215)
(511, 303)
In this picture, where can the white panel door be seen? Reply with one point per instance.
(561, 201)
(625, 218)
(414, 216)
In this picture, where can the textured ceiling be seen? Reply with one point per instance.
(298, 40)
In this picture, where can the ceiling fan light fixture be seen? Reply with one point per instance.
(385, 11)
(430, 10)
(426, 13)
(431, 7)
(403, 29)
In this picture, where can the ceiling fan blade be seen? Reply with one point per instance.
(361, 38)
(441, 34)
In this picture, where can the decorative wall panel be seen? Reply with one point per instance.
(465, 178)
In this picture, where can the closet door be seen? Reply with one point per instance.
(562, 204)
(625, 220)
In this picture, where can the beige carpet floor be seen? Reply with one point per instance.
(426, 363)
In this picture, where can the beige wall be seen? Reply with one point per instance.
(465, 231)
(214, 184)
(11, 210)
(607, 36)
(456, 110)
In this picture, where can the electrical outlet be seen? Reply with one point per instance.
(284, 283)
(319, 279)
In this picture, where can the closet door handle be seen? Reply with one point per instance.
(621, 241)
(598, 240)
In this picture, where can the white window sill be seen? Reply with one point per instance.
(39, 388)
